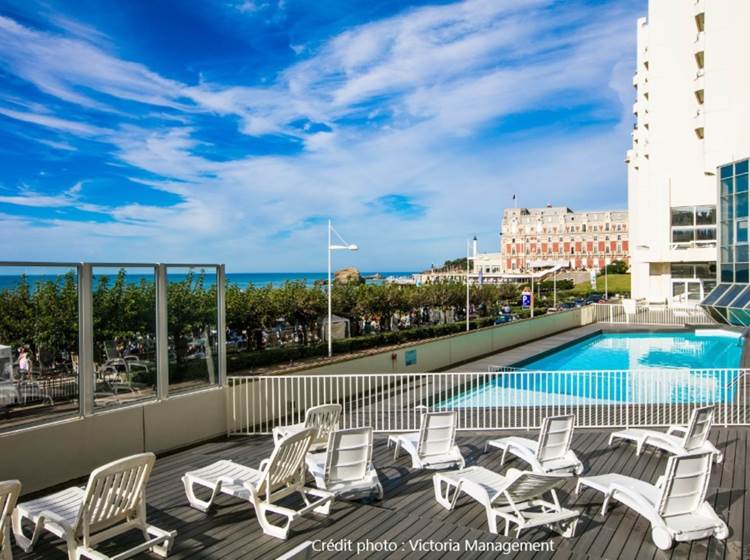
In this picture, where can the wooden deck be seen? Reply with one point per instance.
(409, 512)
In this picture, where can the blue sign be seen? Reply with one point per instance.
(526, 299)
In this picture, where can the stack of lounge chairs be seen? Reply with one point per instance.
(340, 462)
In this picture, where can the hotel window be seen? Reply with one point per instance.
(693, 225)
(733, 189)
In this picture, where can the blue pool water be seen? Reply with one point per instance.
(620, 368)
(622, 351)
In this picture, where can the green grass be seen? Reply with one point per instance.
(617, 283)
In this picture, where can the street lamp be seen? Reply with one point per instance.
(344, 246)
(469, 258)
(607, 262)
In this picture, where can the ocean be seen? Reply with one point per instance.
(241, 279)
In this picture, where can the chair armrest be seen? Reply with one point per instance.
(672, 429)
(263, 465)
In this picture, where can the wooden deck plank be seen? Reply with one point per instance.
(409, 511)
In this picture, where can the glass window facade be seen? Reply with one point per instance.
(732, 295)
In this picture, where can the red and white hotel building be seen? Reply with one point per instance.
(533, 238)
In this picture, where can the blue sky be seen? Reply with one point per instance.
(230, 131)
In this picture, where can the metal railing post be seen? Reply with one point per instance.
(162, 334)
(86, 372)
(221, 323)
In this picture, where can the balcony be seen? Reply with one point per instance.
(635, 79)
(636, 108)
(699, 47)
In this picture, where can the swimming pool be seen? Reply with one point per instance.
(638, 368)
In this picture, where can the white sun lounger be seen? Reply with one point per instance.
(279, 476)
(9, 491)
(675, 506)
(323, 419)
(517, 497)
(551, 453)
(345, 468)
(434, 446)
(694, 440)
(113, 503)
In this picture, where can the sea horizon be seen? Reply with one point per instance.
(241, 279)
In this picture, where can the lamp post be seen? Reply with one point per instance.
(607, 262)
(344, 246)
(469, 258)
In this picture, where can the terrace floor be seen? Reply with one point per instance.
(409, 511)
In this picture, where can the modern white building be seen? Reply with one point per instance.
(692, 114)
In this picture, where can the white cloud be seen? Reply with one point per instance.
(406, 101)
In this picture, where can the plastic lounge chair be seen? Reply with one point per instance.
(517, 497)
(675, 506)
(551, 453)
(279, 476)
(434, 446)
(323, 419)
(9, 491)
(695, 438)
(113, 502)
(345, 468)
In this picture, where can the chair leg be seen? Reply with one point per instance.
(492, 521)
(5, 553)
(24, 542)
(72, 547)
(195, 501)
(444, 497)
(280, 532)
(502, 457)
(396, 450)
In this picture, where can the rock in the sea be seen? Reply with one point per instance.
(349, 275)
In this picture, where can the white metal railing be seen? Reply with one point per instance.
(516, 399)
(648, 314)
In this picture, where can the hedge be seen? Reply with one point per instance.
(249, 360)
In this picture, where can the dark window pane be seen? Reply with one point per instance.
(740, 167)
(743, 299)
(705, 234)
(716, 293)
(733, 291)
(740, 205)
(683, 216)
(727, 255)
(705, 271)
(727, 233)
(727, 273)
(726, 171)
(740, 254)
(740, 273)
(727, 186)
(727, 208)
(682, 271)
(682, 235)
(741, 231)
(740, 183)
(705, 215)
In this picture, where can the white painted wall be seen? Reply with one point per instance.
(669, 165)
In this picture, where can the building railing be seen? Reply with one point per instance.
(647, 314)
(106, 334)
(517, 399)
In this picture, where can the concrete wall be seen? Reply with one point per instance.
(263, 404)
(51, 454)
(435, 355)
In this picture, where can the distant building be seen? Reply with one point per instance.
(536, 238)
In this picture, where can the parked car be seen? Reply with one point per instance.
(507, 318)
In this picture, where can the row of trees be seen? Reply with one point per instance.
(44, 316)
